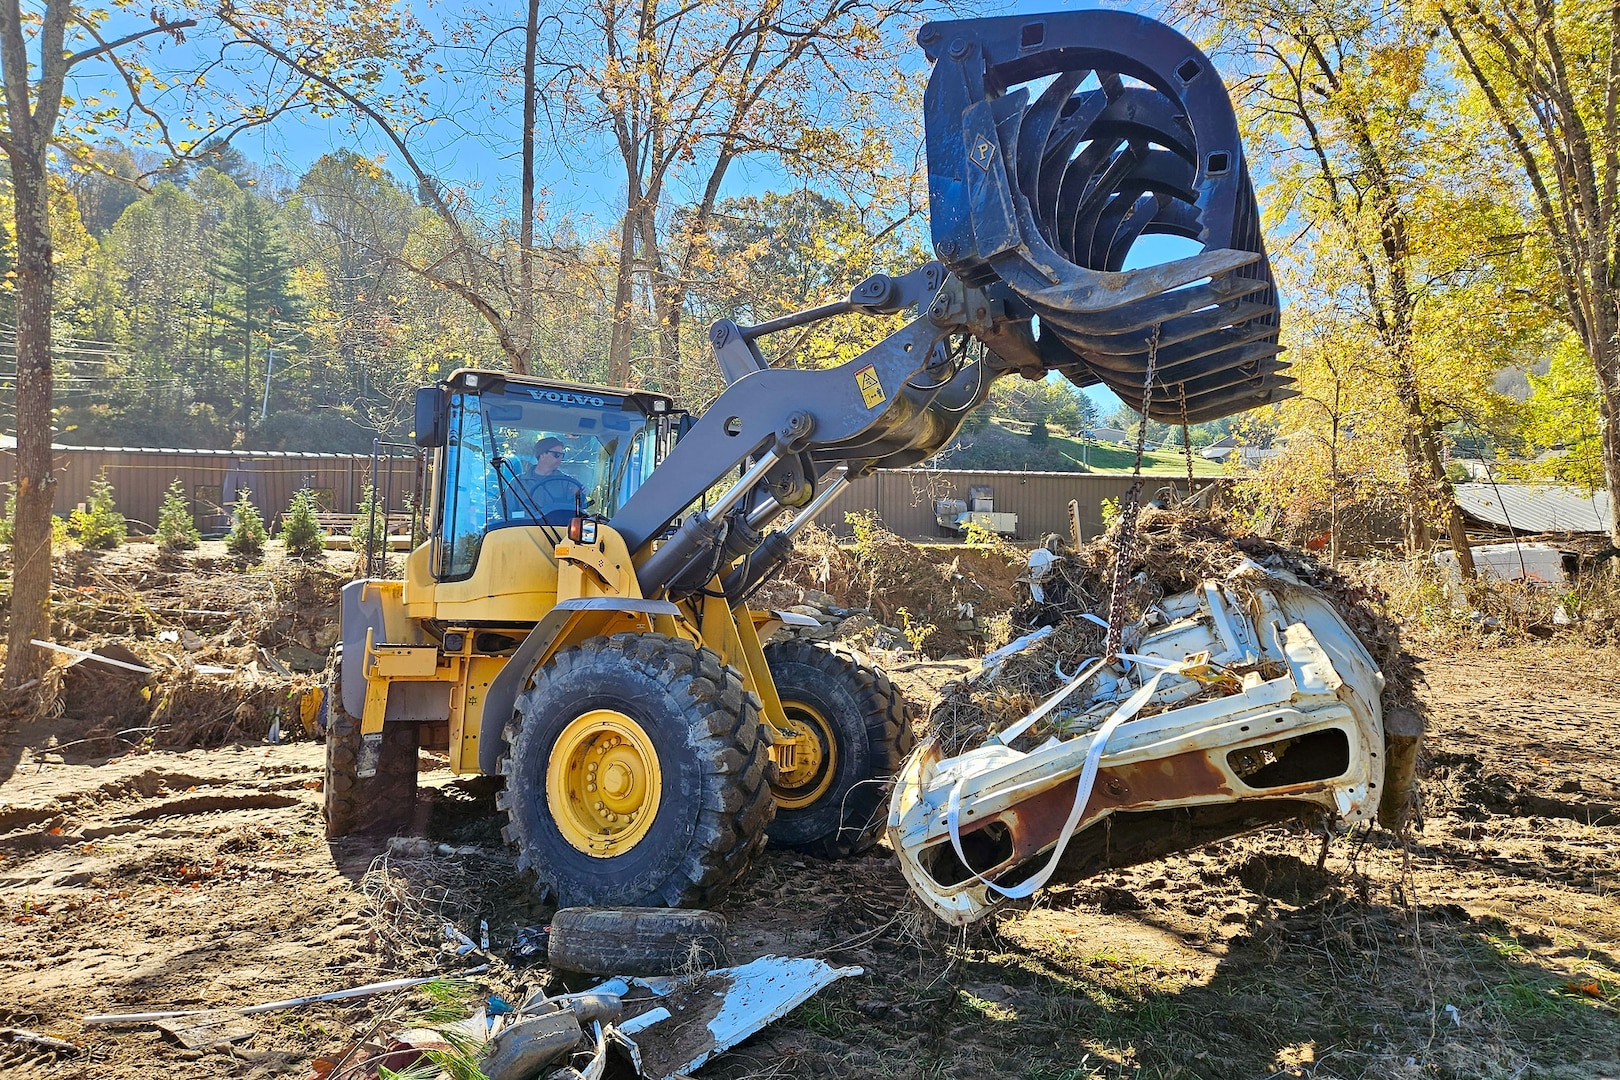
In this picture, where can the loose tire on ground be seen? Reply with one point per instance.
(383, 802)
(635, 941)
(863, 728)
(636, 774)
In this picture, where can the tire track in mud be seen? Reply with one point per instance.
(1539, 738)
(77, 829)
(173, 881)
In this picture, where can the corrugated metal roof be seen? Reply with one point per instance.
(1536, 508)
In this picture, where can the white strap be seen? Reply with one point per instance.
(1082, 795)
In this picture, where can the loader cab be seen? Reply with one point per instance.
(604, 443)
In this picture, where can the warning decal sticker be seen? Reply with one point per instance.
(871, 389)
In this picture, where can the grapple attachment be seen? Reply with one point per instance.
(1057, 142)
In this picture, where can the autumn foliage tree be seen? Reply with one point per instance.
(38, 50)
(1548, 77)
(1394, 220)
(684, 91)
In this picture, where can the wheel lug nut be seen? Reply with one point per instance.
(590, 787)
(599, 804)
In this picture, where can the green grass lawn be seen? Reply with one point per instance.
(1005, 445)
(1106, 458)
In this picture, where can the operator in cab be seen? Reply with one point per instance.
(554, 493)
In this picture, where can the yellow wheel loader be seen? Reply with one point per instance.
(577, 622)
(645, 737)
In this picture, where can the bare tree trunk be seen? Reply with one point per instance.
(36, 483)
(1607, 355)
(523, 362)
(623, 302)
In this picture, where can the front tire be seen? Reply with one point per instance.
(636, 774)
(831, 803)
(383, 802)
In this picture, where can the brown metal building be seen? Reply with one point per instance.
(211, 479)
(902, 498)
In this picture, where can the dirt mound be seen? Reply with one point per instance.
(230, 650)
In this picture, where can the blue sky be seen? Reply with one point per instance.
(474, 140)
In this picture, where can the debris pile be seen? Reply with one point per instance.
(662, 1024)
(884, 592)
(1068, 598)
(418, 887)
(190, 654)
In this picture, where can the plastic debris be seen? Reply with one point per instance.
(528, 945)
(47, 1043)
(680, 1025)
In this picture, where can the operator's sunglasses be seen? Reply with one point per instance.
(553, 453)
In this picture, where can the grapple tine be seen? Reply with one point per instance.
(1161, 304)
(1172, 332)
(1130, 135)
(1187, 359)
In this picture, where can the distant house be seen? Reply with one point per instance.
(1227, 449)
(1105, 435)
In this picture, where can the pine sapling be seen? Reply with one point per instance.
(176, 530)
(301, 534)
(99, 525)
(247, 536)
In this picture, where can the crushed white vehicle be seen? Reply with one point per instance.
(1242, 703)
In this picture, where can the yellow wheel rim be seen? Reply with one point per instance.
(815, 760)
(603, 783)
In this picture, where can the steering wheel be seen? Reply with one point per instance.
(554, 496)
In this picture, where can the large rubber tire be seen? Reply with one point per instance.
(712, 752)
(382, 803)
(634, 941)
(869, 725)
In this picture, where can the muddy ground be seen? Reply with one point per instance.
(1486, 946)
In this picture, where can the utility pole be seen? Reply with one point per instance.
(269, 365)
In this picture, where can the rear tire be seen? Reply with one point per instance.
(636, 774)
(383, 802)
(833, 804)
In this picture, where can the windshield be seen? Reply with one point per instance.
(528, 455)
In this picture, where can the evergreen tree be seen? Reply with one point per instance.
(370, 531)
(247, 536)
(176, 530)
(301, 534)
(254, 269)
(99, 525)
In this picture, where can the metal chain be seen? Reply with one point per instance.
(1128, 512)
(1186, 437)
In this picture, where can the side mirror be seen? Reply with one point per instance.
(432, 407)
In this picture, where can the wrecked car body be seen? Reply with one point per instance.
(1241, 703)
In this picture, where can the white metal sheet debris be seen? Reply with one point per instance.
(682, 1025)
